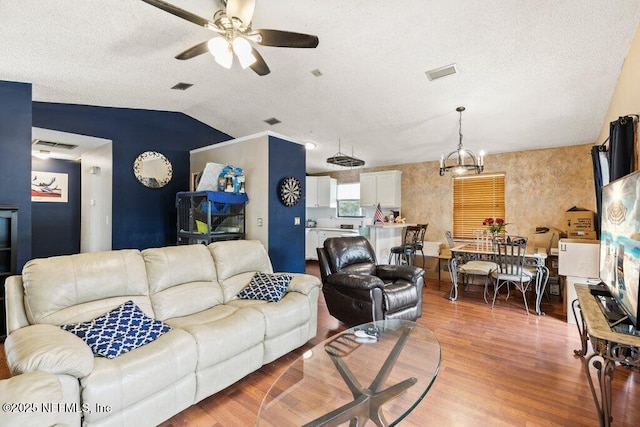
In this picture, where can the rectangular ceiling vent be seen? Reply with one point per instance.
(182, 86)
(51, 144)
(437, 73)
(272, 121)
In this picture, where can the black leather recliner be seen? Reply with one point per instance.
(357, 290)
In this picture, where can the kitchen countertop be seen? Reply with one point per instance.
(387, 225)
(347, 230)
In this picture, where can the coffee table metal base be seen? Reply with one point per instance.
(367, 401)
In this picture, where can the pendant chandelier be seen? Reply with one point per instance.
(460, 160)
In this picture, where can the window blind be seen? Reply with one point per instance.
(476, 198)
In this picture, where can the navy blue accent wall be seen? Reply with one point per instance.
(55, 227)
(15, 159)
(286, 240)
(142, 217)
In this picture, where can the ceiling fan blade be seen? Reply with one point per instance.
(241, 9)
(260, 67)
(181, 13)
(194, 51)
(279, 38)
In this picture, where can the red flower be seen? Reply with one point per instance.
(494, 225)
(487, 221)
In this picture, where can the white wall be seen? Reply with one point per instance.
(96, 203)
(252, 155)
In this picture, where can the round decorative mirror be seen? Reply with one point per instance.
(152, 169)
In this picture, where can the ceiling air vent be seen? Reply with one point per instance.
(51, 144)
(182, 86)
(437, 73)
(272, 121)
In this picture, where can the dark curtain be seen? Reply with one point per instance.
(619, 160)
(622, 158)
(600, 178)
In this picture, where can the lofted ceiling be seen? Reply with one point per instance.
(531, 73)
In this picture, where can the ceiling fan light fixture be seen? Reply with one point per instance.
(221, 51)
(242, 49)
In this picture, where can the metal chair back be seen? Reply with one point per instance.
(510, 255)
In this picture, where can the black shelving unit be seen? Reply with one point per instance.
(8, 256)
(210, 216)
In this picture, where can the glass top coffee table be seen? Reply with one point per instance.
(352, 379)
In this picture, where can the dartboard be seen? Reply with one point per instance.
(290, 191)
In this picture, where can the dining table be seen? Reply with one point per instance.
(484, 250)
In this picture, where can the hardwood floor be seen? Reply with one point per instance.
(499, 367)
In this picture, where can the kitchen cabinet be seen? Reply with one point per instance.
(314, 238)
(320, 192)
(385, 237)
(310, 244)
(381, 187)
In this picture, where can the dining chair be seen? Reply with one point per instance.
(510, 256)
(474, 268)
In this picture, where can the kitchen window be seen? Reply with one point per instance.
(476, 198)
(348, 198)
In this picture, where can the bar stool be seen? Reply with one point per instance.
(412, 242)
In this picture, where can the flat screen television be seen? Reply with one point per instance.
(620, 243)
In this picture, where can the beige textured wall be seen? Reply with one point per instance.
(626, 98)
(540, 186)
(251, 155)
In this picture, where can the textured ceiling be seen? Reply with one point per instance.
(532, 73)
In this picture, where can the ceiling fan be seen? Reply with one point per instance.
(235, 35)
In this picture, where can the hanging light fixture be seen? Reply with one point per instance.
(460, 160)
(242, 49)
(221, 51)
(342, 159)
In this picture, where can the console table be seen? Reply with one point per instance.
(608, 348)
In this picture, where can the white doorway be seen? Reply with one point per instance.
(96, 158)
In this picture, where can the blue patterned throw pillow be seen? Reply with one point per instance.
(267, 287)
(119, 331)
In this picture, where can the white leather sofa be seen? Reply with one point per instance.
(26, 399)
(216, 338)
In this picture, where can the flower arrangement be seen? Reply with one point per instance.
(494, 225)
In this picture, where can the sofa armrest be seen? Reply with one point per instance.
(24, 396)
(304, 283)
(47, 348)
(395, 272)
(14, 303)
(355, 281)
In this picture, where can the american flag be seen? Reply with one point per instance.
(378, 217)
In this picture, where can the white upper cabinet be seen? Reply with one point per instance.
(381, 187)
(320, 192)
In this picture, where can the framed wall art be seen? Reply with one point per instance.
(49, 187)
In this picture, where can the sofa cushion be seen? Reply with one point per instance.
(266, 287)
(227, 336)
(182, 280)
(119, 331)
(239, 256)
(291, 311)
(236, 261)
(54, 287)
(139, 376)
